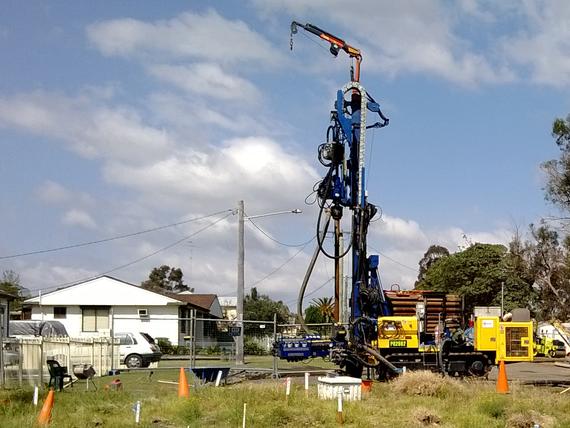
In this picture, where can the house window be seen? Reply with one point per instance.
(182, 323)
(59, 312)
(95, 319)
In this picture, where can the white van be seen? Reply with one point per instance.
(137, 349)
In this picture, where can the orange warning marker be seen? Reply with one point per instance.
(45, 414)
(183, 384)
(502, 383)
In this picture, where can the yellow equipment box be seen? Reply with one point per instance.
(486, 336)
(512, 341)
(515, 341)
(398, 332)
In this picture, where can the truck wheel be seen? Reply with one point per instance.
(478, 368)
(552, 353)
(133, 361)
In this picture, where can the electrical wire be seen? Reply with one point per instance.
(277, 269)
(140, 259)
(303, 244)
(113, 238)
(393, 260)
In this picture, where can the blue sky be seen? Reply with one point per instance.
(117, 117)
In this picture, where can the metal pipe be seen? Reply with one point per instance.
(379, 357)
(300, 317)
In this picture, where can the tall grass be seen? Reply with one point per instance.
(415, 400)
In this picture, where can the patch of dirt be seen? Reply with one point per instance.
(161, 423)
(425, 417)
(529, 420)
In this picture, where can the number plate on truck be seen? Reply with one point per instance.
(398, 343)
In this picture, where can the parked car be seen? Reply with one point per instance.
(137, 349)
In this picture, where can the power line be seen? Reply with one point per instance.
(394, 260)
(113, 238)
(303, 244)
(277, 269)
(140, 259)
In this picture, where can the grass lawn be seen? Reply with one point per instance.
(411, 401)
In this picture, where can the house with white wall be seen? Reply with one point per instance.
(95, 307)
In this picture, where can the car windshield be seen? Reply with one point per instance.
(148, 337)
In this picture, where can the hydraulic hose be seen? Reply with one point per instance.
(308, 276)
(379, 357)
(321, 239)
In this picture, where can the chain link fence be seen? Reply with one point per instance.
(214, 343)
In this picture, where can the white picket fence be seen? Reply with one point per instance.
(25, 362)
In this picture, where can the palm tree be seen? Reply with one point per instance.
(325, 306)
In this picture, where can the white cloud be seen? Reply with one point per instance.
(49, 276)
(76, 217)
(207, 79)
(52, 192)
(399, 231)
(254, 168)
(402, 37)
(542, 47)
(209, 121)
(208, 36)
(55, 193)
(88, 128)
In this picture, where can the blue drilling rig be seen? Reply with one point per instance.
(344, 186)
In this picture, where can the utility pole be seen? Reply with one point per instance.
(240, 271)
(240, 283)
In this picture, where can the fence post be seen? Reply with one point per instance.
(41, 361)
(92, 362)
(112, 339)
(20, 362)
(275, 357)
(192, 338)
(2, 379)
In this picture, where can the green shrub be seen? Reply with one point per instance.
(180, 350)
(165, 345)
(251, 347)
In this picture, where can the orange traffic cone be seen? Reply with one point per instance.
(45, 414)
(183, 384)
(502, 384)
